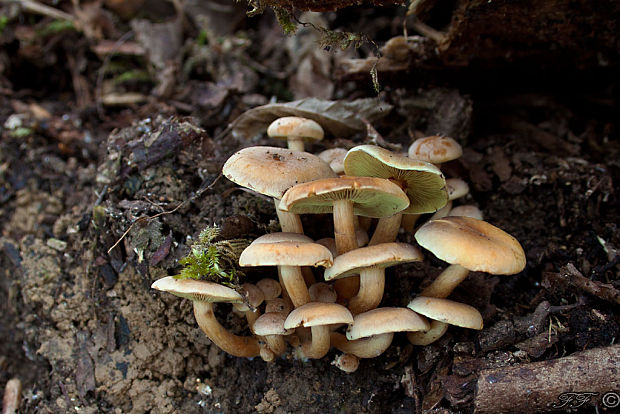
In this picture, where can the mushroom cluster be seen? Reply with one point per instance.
(311, 311)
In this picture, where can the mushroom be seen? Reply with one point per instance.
(467, 210)
(335, 158)
(372, 332)
(270, 325)
(468, 245)
(318, 316)
(435, 149)
(346, 197)
(271, 171)
(254, 297)
(370, 263)
(346, 363)
(423, 183)
(295, 130)
(443, 311)
(203, 294)
(322, 292)
(271, 288)
(288, 251)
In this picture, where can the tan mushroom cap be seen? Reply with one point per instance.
(457, 188)
(271, 323)
(447, 311)
(467, 210)
(335, 158)
(296, 127)
(473, 244)
(435, 149)
(318, 314)
(371, 197)
(271, 170)
(271, 288)
(322, 292)
(423, 182)
(254, 297)
(197, 290)
(380, 256)
(280, 237)
(287, 253)
(385, 320)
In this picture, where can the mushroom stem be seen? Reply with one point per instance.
(370, 347)
(408, 222)
(446, 282)
(344, 234)
(318, 346)
(295, 143)
(387, 229)
(276, 343)
(289, 222)
(240, 346)
(295, 285)
(372, 283)
(436, 331)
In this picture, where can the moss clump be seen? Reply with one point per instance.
(216, 261)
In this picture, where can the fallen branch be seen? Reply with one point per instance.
(12, 396)
(570, 275)
(583, 379)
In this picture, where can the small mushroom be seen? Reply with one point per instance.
(346, 363)
(372, 332)
(254, 297)
(288, 251)
(270, 325)
(435, 149)
(335, 158)
(370, 263)
(203, 294)
(445, 311)
(295, 130)
(318, 317)
(467, 210)
(468, 244)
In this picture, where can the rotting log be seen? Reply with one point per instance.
(585, 378)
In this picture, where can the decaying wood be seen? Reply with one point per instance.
(329, 5)
(573, 277)
(585, 378)
(12, 396)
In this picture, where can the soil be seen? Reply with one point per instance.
(97, 202)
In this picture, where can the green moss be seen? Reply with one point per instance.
(284, 18)
(135, 75)
(55, 27)
(214, 261)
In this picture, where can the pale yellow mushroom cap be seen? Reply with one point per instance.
(371, 197)
(474, 244)
(285, 253)
(447, 311)
(457, 188)
(385, 320)
(435, 149)
(423, 182)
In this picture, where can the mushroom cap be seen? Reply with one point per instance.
(371, 197)
(254, 295)
(271, 323)
(380, 255)
(385, 320)
(473, 244)
(285, 253)
(457, 188)
(271, 170)
(200, 290)
(447, 311)
(279, 305)
(296, 127)
(322, 292)
(318, 314)
(281, 236)
(271, 288)
(335, 158)
(435, 149)
(467, 210)
(423, 182)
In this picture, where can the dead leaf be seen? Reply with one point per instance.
(339, 118)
